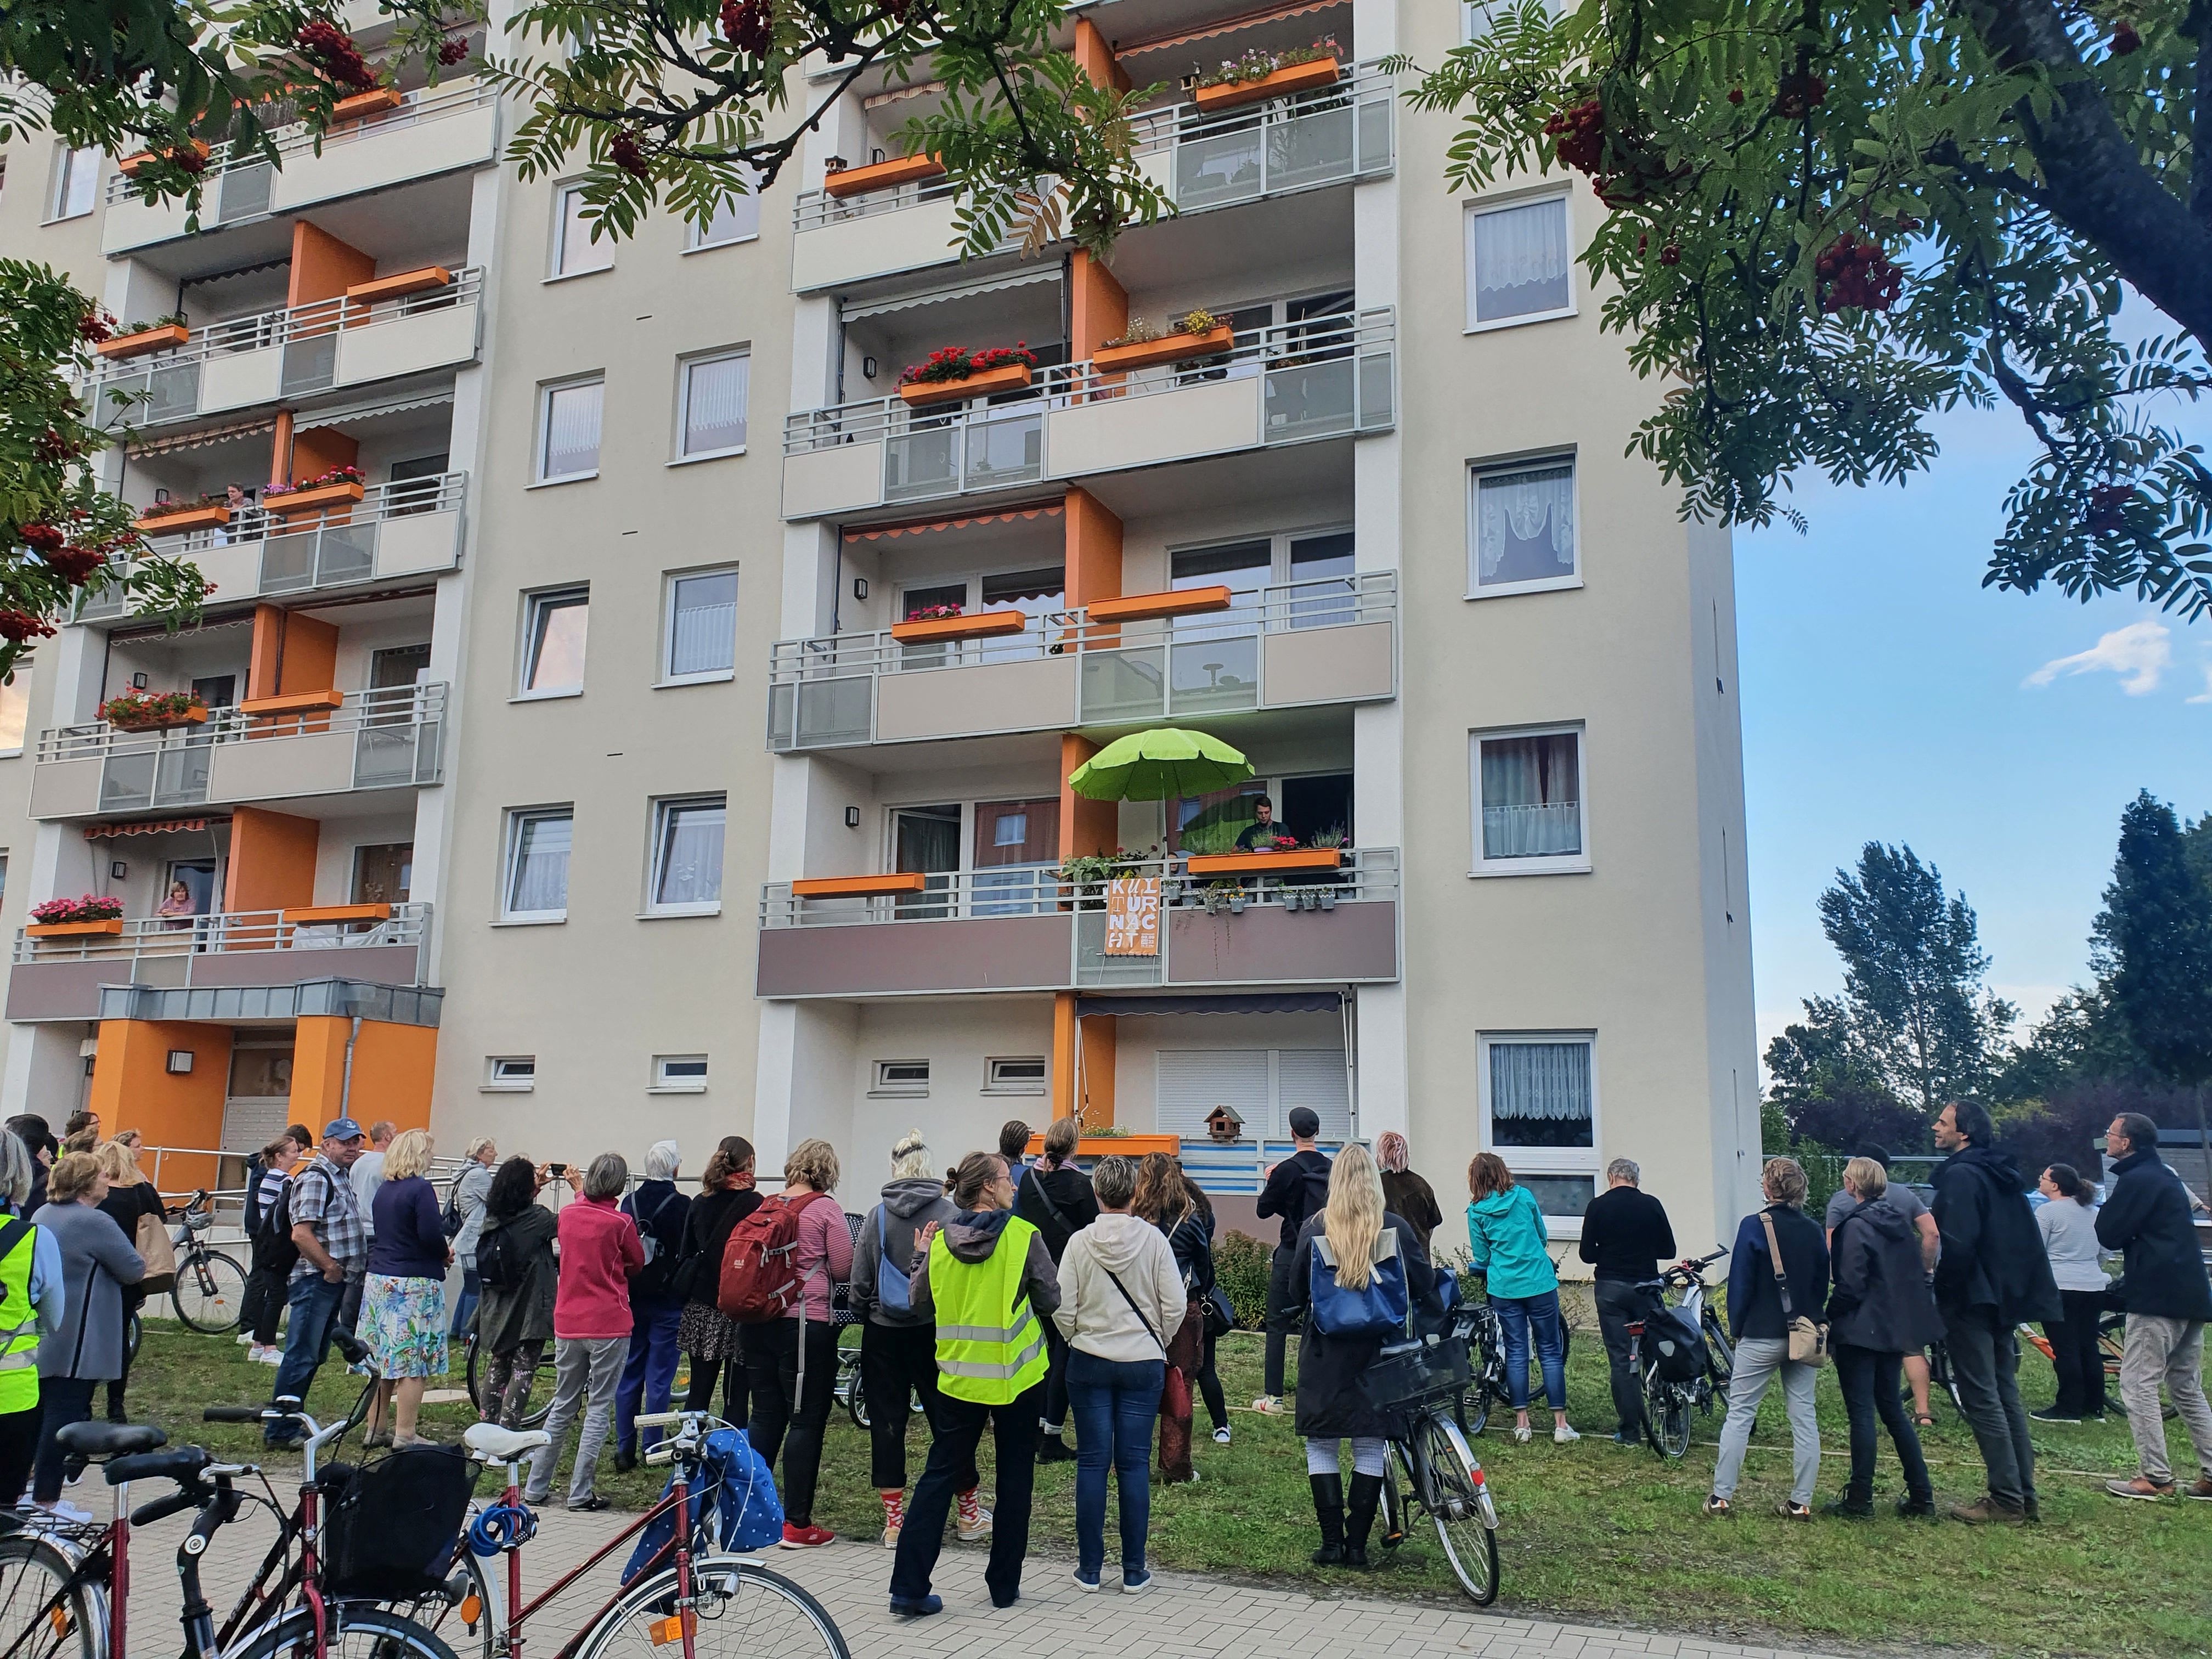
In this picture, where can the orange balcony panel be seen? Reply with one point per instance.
(322, 912)
(73, 929)
(375, 101)
(983, 625)
(1169, 349)
(1012, 378)
(145, 340)
(1146, 607)
(1299, 77)
(1266, 864)
(191, 518)
(400, 284)
(285, 504)
(882, 175)
(294, 702)
(895, 882)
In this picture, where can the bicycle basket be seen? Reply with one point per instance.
(1413, 1370)
(392, 1530)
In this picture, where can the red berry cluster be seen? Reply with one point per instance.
(96, 325)
(452, 50)
(40, 538)
(1797, 93)
(187, 158)
(626, 152)
(74, 565)
(2105, 517)
(1855, 274)
(1580, 139)
(1578, 135)
(50, 445)
(1670, 255)
(21, 625)
(2124, 39)
(749, 26)
(332, 50)
(897, 10)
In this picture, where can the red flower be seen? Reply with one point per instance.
(41, 538)
(22, 625)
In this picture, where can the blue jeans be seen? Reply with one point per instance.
(314, 1303)
(465, 1305)
(1521, 1316)
(1113, 1403)
(648, 1374)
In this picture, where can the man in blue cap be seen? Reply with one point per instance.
(327, 1226)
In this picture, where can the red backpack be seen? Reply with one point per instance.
(760, 1279)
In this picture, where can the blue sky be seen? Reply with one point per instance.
(1887, 696)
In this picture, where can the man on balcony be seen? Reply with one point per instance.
(1259, 835)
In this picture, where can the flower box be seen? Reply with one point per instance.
(292, 702)
(1299, 77)
(399, 284)
(74, 929)
(897, 882)
(163, 339)
(882, 175)
(1012, 378)
(375, 101)
(1265, 864)
(130, 164)
(1131, 1145)
(322, 497)
(191, 518)
(196, 716)
(1167, 348)
(1145, 607)
(982, 625)
(311, 913)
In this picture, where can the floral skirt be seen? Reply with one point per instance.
(403, 1322)
(706, 1332)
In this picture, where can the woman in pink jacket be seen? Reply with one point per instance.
(599, 1252)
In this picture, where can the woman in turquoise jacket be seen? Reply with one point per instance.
(1506, 1234)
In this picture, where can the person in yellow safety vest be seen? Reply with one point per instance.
(31, 1305)
(988, 1280)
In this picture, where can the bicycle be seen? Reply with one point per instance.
(209, 1292)
(1428, 1379)
(1668, 1402)
(1490, 1386)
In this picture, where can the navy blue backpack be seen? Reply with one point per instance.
(1376, 1311)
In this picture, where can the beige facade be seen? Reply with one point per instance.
(753, 688)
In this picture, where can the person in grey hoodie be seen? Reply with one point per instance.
(898, 1346)
(87, 1348)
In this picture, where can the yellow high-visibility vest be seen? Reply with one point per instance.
(19, 1327)
(990, 1347)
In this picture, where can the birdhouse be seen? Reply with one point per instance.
(1222, 1123)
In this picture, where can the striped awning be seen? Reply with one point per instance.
(1228, 26)
(147, 827)
(201, 438)
(924, 526)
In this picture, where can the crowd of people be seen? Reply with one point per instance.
(1019, 1293)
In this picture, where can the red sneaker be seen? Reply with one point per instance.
(806, 1538)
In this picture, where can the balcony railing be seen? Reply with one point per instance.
(1276, 647)
(403, 528)
(292, 352)
(230, 931)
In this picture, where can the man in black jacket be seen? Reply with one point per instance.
(1993, 1274)
(2168, 1301)
(1626, 1235)
(1296, 1188)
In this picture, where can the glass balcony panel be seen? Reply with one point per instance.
(288, 562)
(383, 756)
(1210, 675)
(310, 364)
(1219, 169)
(1124, 685)
(1005, 449)
(1311, 149)
(428, 737)
(1376, 392)
(834, 711)
(1374, 135)
(782, 710)
(347, 553)
(180, 775)
(173, 390)
(918, 464)
(1094, 967)
(243, 192)
(1308, 400)
(126, 782)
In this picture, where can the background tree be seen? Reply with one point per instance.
(1828, 221)
(1831, 1090)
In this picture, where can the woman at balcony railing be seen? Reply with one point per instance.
(178, 909)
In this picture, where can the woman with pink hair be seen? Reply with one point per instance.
(1406, 1194)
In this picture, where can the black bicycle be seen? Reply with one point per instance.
(1430, 1463)
(1679, 1374)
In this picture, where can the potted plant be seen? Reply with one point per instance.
(843, 181)
(95, 912)
(951, 372)
(1262, 75)
(335, 488)
(153, 711)
(138, 338)
(179, 514)
(1196, 333)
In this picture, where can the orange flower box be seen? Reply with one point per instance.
(285, 505)
(192, 517)
(1126, 1145)
(1265, 864)
(1145, 607)
(983, 625)
(1169, 349)
(322, 912)
(894, 882)
(292, 702)
(73, 929)
(145, 340)
(399, 284)
(373, 102)
(130, 164)
(196, 716)
(1012, 378)
(1299, 77)
(882, 175)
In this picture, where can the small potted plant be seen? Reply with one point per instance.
(62, 918)
(952, 373)
(153, 711)
(336, 487)
(1197, 333)
(1261, 75)
(138, 338)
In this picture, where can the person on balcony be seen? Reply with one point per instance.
(178, 909)
(1259, 835)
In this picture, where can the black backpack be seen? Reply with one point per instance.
(658, 1278)
(501, 1265)
(1676, 1347)
(273, 1247)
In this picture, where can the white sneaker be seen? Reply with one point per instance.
(63, 1510)
(1221, 1436)
(1521, 1433)
(246, 1336)
(1268, 1405)
(271, 1356)
(1562, 1435)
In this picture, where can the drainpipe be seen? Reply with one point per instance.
(345, 1088)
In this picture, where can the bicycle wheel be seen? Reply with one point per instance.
(1474, 1407)
(133, 1335)
(1459, 1510)
(1393, 1505)
(743, 1611)
(209, 1292)
(356, 1631)
(43, 1615)
(464, 1621)
(1666, 1421)
(856, 1393)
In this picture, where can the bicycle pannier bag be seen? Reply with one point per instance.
(1808, 1342)
(760, 1279)
(392, 1529)
(1676, 1347)
(1377, 1310)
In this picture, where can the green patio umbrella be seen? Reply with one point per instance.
(1159, 764)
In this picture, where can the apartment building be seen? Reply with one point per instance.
(669, 731)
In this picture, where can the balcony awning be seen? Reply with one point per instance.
(1263, 1002)
(363, 411)
(930, 296)
(200, 440)
(1230, 27)
(148, 826)
(924, 526)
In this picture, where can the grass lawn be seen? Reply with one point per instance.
(1592, 1531)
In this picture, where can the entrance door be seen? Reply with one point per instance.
(926, 839)
(260, 1101)
(383, 875)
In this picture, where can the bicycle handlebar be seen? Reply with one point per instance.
(233, 1413)
(184, 1498)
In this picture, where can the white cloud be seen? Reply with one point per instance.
(2205, 695)
(2139, 653)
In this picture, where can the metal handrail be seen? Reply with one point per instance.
(226, 931)
(423, 104)
(1367, 872)
(392, 705)
(395, 498)
(1253, 351)
(1280, 607)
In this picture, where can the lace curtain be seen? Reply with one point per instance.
(1549, 1081)
(539, 881)
(704, 631)
(572, 429)
(1531, 797)
(691, 855)
(1525, 525)
(1521, 260)
(715, 404)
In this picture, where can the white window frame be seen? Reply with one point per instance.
(1474, 210)
(684, 365)
(546, 391)
(535, 602)
(1545, 1160)
(669, 676)
(694, 234)
(664, 807)
(995, 1081)
(1476, 472)
(500, 1079)
(888, 1088)
(557, 268)
(1564, 864)
(66, 162)
(663, 1083)
(517, 817)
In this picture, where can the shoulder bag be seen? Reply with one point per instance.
(1808, 1341)
(152, 1242)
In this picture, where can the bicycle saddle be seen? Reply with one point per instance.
(109, 1439)
(496, 1445)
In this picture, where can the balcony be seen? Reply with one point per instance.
(400, 530)
(433, 131)
(1294, 644)
(293, 352)
(1331, 136)
(62, 978)
(1327, 377)
(381, 739)
(1027, 930)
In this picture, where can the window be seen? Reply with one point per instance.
(1529, 802)
(1539, 1095)
(687, 856)
(1519, 268)
(536, 885)
(76, 182)
(735, 220)
(901, 1077)
(679, 1074)
(1523, 531)
(553, 626)
(1021, 1076)
(3, 876)
(568, 430)
(15, 709)
(710, 405)
(515, 1072)
(573, 250)
(700, 629)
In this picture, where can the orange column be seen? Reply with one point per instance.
(1095, 57)
(319, 1045)
(1098, 306)
(1093, 547)
(392, 1068)
(291, 653)
(323, 267)
(272, 860)
(133, 1088)
(280, 452)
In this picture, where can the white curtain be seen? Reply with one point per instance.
(732, 221)
(1515, 509)
(1546, 1080)
(715, 404)
(704, 631)
(1531, 797)
(1520, 257)
(572, 429)
(690, 855)
(539, 880)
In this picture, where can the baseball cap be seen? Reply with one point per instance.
(342, 1128)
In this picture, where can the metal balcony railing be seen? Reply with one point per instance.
(230, 931)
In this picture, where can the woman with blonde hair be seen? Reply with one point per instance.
(403, 1301)
(130, 1198)
(1354, 1241)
